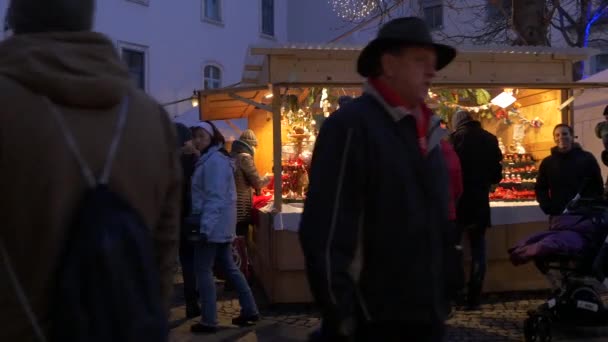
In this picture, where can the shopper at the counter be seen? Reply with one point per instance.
(373, 227)
(566, 172)
(247, 179)
(480, 159)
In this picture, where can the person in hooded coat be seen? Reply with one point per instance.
(569, 170)
(55, 54)
(246, 177)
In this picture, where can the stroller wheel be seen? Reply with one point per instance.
(537, 329)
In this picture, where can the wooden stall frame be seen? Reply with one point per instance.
(306, 66)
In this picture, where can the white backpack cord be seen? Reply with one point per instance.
(73, 145)
(21, 294)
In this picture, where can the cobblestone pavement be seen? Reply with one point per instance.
(500, 318)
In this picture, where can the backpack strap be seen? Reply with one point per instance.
(120, 127)
(73, 145)
(21, 296)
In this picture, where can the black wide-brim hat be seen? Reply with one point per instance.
(401, 32)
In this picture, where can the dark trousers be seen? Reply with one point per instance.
(477, 242)
(453, 261)
(389, 331)
(399, 331)
(242, 228)
(186, 258)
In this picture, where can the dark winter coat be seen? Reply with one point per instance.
(480, 160)
(374, 195)
(562, 175)
(247, 179)
(188, 162)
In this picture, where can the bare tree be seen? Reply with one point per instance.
(574, 23)
(524, 22)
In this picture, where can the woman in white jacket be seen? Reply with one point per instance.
(214, 202)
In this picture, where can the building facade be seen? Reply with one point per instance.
(456, 22)
(174, 47)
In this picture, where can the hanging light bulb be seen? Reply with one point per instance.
(353, 10)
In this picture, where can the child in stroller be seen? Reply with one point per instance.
(573, 255)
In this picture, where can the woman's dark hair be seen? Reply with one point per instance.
(217, 138)
(570, 129)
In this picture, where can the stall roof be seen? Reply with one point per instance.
(334, 65)
(573, 53)
(231, 103)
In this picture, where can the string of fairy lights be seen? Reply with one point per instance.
(353, 10)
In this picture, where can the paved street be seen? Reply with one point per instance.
(500, 319)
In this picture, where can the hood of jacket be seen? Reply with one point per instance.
(213, 152)
(75, 69)
(468, 124)
(239, 146)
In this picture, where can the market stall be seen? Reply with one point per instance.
(516, 93)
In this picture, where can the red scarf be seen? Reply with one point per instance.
(393, 99)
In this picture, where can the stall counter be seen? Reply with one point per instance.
(279, 262)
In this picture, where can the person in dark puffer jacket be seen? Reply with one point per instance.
(566, 172)
(480, 159)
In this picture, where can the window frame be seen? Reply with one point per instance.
(141, 2)
(433, 5)
(217, 21)
(494, 12)
(210, 79)
(274, 30)
(596, 64)
(122, 46)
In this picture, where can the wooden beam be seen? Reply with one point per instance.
(234, 127)
(250, 80)
(277, 147)
(547, 96)
(251, 102)
(250, 67)
(303, 95)
(567, 113)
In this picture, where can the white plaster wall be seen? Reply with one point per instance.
(180, 43)
(588, 111)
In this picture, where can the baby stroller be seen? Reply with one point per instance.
(578, 279)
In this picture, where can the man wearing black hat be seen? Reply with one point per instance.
(372, 227)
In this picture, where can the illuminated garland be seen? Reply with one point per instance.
(487, 111)
(353, 10)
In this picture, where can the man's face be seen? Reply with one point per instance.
(563, 138)
(410, 72)
(606, 116)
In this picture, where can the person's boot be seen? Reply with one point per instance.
(192, 310)
(243, 321)
(473, 301)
